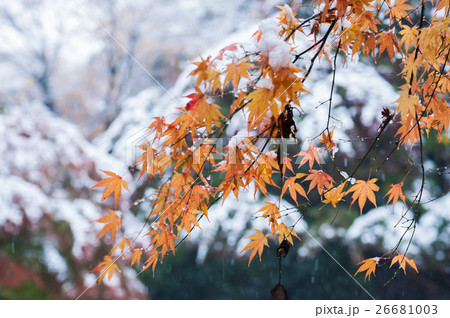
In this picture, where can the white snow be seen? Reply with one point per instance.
(272, 47)
(383, 228)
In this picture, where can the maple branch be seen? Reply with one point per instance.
(322, 41)
(300, 25)
(332, 86)
(320, 49)
(418, 197)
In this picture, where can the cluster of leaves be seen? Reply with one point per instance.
(265, 87)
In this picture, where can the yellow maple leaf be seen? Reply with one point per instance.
(407, 103)
(334, 195)
(257, 243)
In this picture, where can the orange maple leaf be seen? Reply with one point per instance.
(235, 72)
(261, 101)
(398, 11)
(362, 191)
(148, 159)
(285, 232)
(112, 184)
(256, 245)
(270, 209)
(151, 261)
(122, 244)
(394, 193)
(409, 36)
(272, 213)
(294, 187)
(106, 267)
(136, 256)
(205, 71)
(112, 223)
(402, 261)
(163, 237)
(335, 195)
(327, 139)
(407, 103)
(188, 219)
(320, 179)
(311, 155)
(368, 265)
(388, 41)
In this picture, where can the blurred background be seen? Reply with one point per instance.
(80, 81)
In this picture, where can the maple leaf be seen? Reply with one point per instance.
(294, 187)
(311, 155)
(201, 110)
(148, 159)
(398, 11)
(112, 184)
(368, 265)
(327, 139)
(112, 223)
(335, 195)
(407, 103)
(388, 41)
(163, 237)
(408, 131)
(195, 98)
(188, 219)
(231, 48)
(205, 71)
(136, 256)
(402, 261)
(271, 212)
(320, 179)
(270, 209)
(237, 71)
(288, 20)
(286, 233)
(122, 244)
(394, 193)
(409, 36)
(151, 261)
(362, 191)
(256, 245)
(261, 100)
(106, 267)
